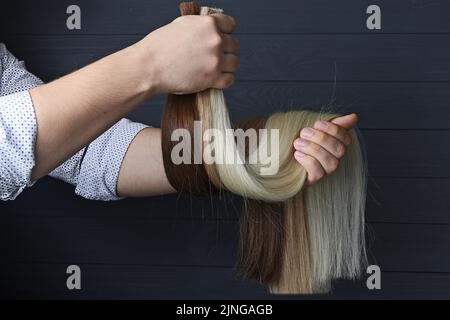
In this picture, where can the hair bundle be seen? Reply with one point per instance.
(293, 239)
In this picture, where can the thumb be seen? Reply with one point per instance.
(346, 122)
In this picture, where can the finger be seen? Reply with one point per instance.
(334, 130)
(224, 81)
(346, 122)
(312, 167)
(230, 63)
(328, 162)
(329, 143)
(225, 23)
(230, 44)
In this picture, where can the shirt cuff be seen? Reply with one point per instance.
(103, 159)
(18, 131)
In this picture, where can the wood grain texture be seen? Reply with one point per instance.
(47, 281)
(294, 53)
(262, 16)
(408, 153)
(381, 58)
(390, 200)
(379, 105)
(394, 247)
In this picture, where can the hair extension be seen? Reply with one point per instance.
(336, 217)
(261, 241)
(294, 239)
(296, 274)
(204, 113)
(261, 231)
(191, 178)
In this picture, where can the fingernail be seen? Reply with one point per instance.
(321, 125)
(299, 154)
(302, 143)
(307, 132)
(298, 143)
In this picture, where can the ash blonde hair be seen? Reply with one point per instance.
(292, 238)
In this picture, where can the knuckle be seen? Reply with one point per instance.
(333, 129)
(316, 176)
(333, 164)
(209, 21)
(215, 63)
(229, 81)
(193, 22)
(322, 137)
(348, 139)
(315, 148)
(340, 150)
(237, 63)
(309, 161)
(312, 177)
(237, 44)
(225, 82)
(320, 176)
(216, 40)
(232, 22)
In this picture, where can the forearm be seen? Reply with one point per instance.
(74, 110)
(142, 172)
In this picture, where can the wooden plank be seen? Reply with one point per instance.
(379, 105)
(408, 200)
(300, 53)
(408, 153)
(112, 240)
(380, 58)
(393, 200)
(44, 281)
(410, 247)
(394, 247)
(286, 16)
(53, 198)
(47, 281)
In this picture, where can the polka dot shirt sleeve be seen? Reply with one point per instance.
(17, 139)
(17, 125)
(93, 170)
(100, 168)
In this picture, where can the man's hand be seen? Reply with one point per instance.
(193, 53)
(190, 54)
(319, 149)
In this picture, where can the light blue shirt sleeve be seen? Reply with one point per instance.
(94, 170)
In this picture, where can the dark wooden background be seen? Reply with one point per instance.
(295, 53)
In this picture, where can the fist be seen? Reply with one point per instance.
(193, 53)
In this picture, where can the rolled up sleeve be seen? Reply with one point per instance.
(17, 139)
(93, 171)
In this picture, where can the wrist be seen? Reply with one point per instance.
(137, 61)
(143, 56)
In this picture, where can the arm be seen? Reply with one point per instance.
(94, 178)
(88, 102)
(170, 59)
(142, 173)
(69, 113)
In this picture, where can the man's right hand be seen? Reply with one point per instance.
(191, 54)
